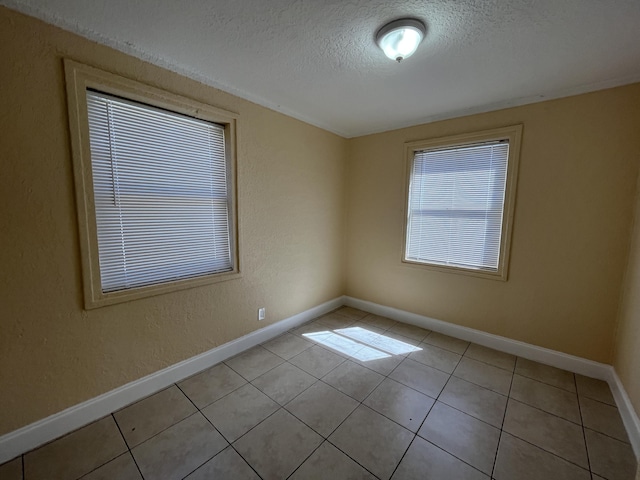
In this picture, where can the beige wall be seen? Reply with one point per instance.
(627, 351)
(53, 354)
(578, 165)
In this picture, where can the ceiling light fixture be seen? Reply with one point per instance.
(400, 38)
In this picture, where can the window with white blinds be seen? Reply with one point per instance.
(161, 194)
(457, 203)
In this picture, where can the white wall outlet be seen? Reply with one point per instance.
(262, 312)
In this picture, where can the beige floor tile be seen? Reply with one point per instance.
(309, 328)
(284, 382)
(120, 468)
(485, 375)
(546, 397)
(208, 386)
(436, 357)
(476, 401)
(603, 418)
(225, 465)
(353, 379)
(322, 408)
(351, 312)
(378, 321)
(240, 411)
(410, 331)
(546, 374)
(425, 461)
(462, 435)
(253, 363)
(594, 389)
(77, 453)
(11, 470)
(143, 419)
(399, 403)
(452, 344)
(334, 320)
(277, 446)
(287, 345)
(317, 361)
(609, 457)
(491, 356)
(401, 338)
(551, 433)
(368, 327)
(383, 366)
(519, 460)
(329, 463)
(373, 441)
(420, 377)
(178, 450)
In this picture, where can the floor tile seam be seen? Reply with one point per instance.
(415, 389)
(491, 364)
(347, 394)
(394, 421)
(564, 390)
(220, 398)
(316, 380)
(287, 359)
(575, 392)
(307, 457)
(208, 460)
(353, 459)
(550, 452)
(553, 414)
(478, 385)
(245, 433)
(591, 429)
(164, 430)
(512, 372)
(584, 433)
(526, 402)
(598, 401)
(320, 378)
(313, 429)
(457, 457)
(444, 348)
(463, 412)
(504, 416)
(431, 366)
(267, 371)
(103, 464)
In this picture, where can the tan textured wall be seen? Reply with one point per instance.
(578, 166)
(53, 354)
(627, 352)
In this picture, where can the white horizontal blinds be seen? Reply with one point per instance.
(160, 186)
(456, 203)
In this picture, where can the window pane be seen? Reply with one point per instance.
(160, 189)
(456, 203)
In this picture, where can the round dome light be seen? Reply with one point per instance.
(400, 38)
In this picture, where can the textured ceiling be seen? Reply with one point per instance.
(317, 60)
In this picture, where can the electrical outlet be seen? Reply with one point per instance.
(262, 313)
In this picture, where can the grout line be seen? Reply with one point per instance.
(504, 416)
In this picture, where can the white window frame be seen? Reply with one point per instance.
(512, 134)
(80, 78)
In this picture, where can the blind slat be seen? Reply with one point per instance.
(456, 206)
(161, 194)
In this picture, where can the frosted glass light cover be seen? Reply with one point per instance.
(400, 39)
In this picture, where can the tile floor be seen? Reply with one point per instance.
(354, 396)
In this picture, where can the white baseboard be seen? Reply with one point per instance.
(31, 436)
(627, 412)
(554, 358)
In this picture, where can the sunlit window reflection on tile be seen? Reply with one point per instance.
(347, 346)
(361, 344)
(379, 341)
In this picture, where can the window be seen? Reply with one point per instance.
(155, 187)
(461, 193)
